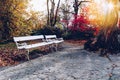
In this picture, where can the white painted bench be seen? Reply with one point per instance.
(21, 42)
(54, 40)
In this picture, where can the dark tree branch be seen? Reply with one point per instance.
(82, 2)
(56, 12)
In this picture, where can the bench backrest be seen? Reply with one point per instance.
(27, 41)
(24, 39)
(27, 38)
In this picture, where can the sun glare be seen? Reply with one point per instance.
(104, 14)
(110, 5)
(37, 5)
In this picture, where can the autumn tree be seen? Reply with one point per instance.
(110, 28)
(36, 20)
(11, 16)
(107, 38)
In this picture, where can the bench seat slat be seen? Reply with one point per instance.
(35, 45)
(58, 41)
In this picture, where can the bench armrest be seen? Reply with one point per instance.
(60, 38)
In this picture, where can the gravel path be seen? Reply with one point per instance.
(71, 63)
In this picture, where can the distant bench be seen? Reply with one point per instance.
(27, 42)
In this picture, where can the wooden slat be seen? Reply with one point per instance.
(25, 38)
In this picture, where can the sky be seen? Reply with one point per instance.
(39, 5)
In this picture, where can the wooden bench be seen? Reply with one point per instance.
(54, 40)
(22, 42)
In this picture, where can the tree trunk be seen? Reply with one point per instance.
(55, 20)
(6, 30)
(52, 13)
(48, 17)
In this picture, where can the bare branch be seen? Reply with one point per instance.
(82, 2)
(67, 11)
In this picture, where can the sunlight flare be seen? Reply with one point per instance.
(111, 6)
(104, 12)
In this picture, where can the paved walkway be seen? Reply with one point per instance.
(72, 63)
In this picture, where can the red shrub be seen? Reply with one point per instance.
(82, 24)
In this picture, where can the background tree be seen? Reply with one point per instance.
(10, 16)
(107, 39)
(36, 20)
(76, 6)
(52, 12)
(65, 13)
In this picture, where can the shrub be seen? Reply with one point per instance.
(48, 31)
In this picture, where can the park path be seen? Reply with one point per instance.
(71, 63)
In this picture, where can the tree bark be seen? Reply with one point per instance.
(48, 17)
(55, 20)
(52, 14)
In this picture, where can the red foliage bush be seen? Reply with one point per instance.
(82, 24)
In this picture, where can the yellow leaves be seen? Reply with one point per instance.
(21, 6)
(19, 21)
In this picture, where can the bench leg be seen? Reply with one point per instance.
(56, 46)
(60, 45)
(28, 55)
(51, 47)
